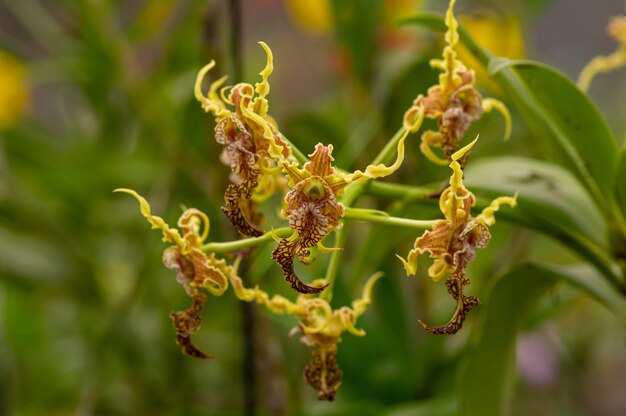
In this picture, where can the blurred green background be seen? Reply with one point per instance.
(96, 95)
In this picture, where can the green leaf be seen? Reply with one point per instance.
(587, 280)
(620, 180)
(547, 193)
(488, 375)
(445, 406)
(551, 201)
(556, 109)
(356, 23)
(487, 378)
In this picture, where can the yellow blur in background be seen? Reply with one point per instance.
(501, 35)
(13, 91)
(316, 16)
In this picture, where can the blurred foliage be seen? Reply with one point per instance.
(97, 95)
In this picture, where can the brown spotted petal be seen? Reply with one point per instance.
(195, 271)
(283, 254)
(433, 104)
(463, 306)
(323, 373)
(174, 260)
(242, 156)
(188, 322)
(437, 240)
(477, 234)
(313, 210)
(321, 161)
(464, 250)
(240, 147)
(206, 275)
(239, 209)
(464, 107)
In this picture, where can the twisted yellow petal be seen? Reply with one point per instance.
(380, 170)
(211, 102)
(487, 215)
(490, 104)
(170, 235)
(456, 180)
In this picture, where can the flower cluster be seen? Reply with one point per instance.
(454, 103)
(314, 193)
(319, 325)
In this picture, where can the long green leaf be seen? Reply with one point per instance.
(487, 377)
(547, 193)
(562, 114)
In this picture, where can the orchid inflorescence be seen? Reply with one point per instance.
(262, 162)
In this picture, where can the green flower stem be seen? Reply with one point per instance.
(230, 246)
(341, 236)
(379, 217)
(297, 153)
(397, 191)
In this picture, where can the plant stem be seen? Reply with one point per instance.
(231, 246)
(341, 236)
(297, 153)
(389, 190)
(379, 217)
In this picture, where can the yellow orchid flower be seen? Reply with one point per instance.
(312, 205)
(195, 270)
(454, 102)
(453, 241)
(251, 142)
(617, 30)
(320, 326)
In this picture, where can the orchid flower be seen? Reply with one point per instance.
(195, 270)
(453, 241)
(252, 143)
(320, 326)
(313, 208)
(454, 102)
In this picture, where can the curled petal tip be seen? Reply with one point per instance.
(265, 47)
(199, 78)
(490, 104)
(410, 270)
(325, 249)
